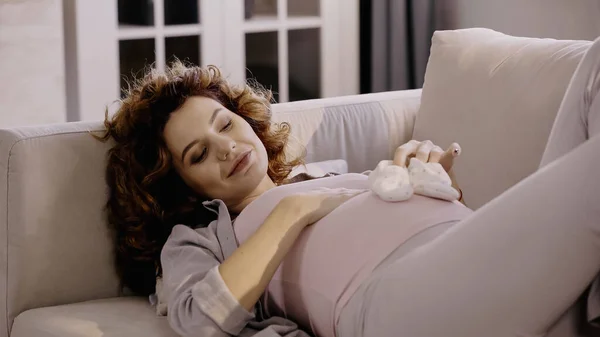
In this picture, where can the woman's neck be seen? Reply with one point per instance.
(265, 185)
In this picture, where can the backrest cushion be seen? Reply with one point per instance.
(361, 129)
(497, 96)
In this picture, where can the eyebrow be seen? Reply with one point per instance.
(214, 115)
(194, 142)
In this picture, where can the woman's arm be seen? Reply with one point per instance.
(248, 271)
(207, 298)
(199, 302)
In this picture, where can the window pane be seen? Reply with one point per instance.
(304, 64)
(185, 48)
(134, 56)
(261, 60)
(262, 8)
(136, 12)
(181, 12)
(303, 7)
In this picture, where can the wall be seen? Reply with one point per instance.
(32, 85)
(560, 19)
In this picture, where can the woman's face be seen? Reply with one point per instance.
(215, 151)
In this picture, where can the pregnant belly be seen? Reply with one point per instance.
(334, 256)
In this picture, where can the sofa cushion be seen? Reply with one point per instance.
(496, 95)
(116, 317)
(321, 168)
(361, 129)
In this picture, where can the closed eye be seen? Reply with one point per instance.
(227, 126)
(197, 159)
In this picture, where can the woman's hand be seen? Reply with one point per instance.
(426, 152)
(248, 271)
(313, 205)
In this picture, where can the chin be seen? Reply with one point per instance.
(257, 174)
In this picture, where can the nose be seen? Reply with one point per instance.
(224, 146)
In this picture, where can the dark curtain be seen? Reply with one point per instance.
(395, 41)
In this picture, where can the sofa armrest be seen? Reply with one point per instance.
(56, 246)
(361, 129)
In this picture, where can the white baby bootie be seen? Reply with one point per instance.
(431, 180)
(390, 182)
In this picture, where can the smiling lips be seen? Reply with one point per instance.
(240, 163)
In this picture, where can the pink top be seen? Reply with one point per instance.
(334, 256)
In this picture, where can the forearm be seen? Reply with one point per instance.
(248, 271)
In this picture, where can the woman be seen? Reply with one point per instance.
(188, 138)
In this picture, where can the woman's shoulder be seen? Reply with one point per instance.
(182, 235)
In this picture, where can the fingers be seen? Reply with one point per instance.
(447, 159)
(404, 151)
(436, 154)
(424, 150)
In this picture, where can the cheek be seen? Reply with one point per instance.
(249, 136)
(252, 136)
(203, 179)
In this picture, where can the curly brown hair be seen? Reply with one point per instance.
(146, 195)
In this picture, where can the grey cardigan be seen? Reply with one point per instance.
(199, 302)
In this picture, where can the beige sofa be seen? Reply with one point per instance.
(496, 95)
